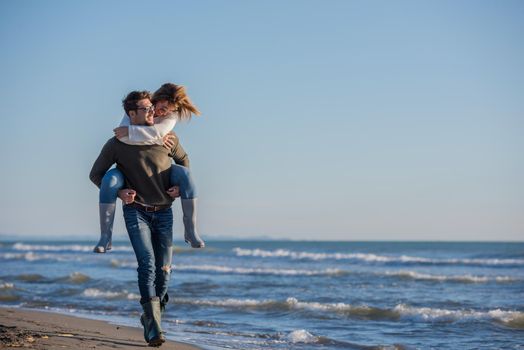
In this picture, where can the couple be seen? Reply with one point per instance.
(142, 150)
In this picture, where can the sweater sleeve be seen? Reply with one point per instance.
(151, 135)
(102, 164)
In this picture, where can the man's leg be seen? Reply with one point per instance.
(162, 241)
(138, 224)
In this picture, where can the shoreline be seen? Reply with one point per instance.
(39, 329)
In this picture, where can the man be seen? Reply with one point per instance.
(147, 208)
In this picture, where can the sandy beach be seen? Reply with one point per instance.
(21, 328)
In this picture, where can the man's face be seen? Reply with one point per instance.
(162, 108)
(144, 113)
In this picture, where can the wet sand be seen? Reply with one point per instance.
(20, 328)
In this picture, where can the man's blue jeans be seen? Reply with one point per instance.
(151, 235)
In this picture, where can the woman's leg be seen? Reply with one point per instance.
(112, 182)
(181, 177)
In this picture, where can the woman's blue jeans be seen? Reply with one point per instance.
(151, 235)
(113, 181)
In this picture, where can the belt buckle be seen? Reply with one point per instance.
(150, 209)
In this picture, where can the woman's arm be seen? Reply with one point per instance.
(148, 135)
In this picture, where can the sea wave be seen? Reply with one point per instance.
(510, 318)
(4, 286)
(97, 293)
(75, 277)
(8, 292)
(369, 257)
(30, 277)
(240, 270)
(400, 311)
(60, 247)
(9, 297)
(258, 271)
(401, 274)
(295, 337)
(301, 336)
(449, 278)
(292, 304)
(123, 263)
(31, 256)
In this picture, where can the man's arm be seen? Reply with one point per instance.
(177, 152)
(102, 164)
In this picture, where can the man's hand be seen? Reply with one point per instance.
(127, 195)
(169, 140)
(174, 192)
(121, 131)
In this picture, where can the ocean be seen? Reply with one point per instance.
(290, 294)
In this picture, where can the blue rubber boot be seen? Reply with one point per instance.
(107, 217)
(190, 233)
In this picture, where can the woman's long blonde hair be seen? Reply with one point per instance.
(177, 98)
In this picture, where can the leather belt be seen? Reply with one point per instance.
(148, 208)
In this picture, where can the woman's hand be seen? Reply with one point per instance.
(169, 140)
(127, 195)
(173, 192)
(121, 131)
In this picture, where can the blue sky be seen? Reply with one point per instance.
(339, 120)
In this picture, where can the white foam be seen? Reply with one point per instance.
(7, 285)
(435, 314)
(422, 314)
(301, 336)
(31, 256)
(284, 253)
(120, 263)
(240, 270)
(445, 278)
(225, 302)
(330, 307)
(60, 247)
(290, 303)
(97, 293)
(54, 248)
(257, 271)
(325, 272)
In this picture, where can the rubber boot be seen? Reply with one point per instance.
(107, 217)
(190, 233)
(163, 304)
(151, 320)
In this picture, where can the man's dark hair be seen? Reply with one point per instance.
(130, 101)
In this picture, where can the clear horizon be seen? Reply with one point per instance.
(219, 238)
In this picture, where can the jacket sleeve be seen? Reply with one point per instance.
(178, 154)
(102, 164)
(150, 135)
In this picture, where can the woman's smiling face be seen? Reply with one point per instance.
(162, 108)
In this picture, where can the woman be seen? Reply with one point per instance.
(171, 103)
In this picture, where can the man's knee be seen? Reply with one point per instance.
(166, 269)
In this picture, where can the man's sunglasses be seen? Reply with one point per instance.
(147, 109)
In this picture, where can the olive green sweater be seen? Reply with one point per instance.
(145, 168)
